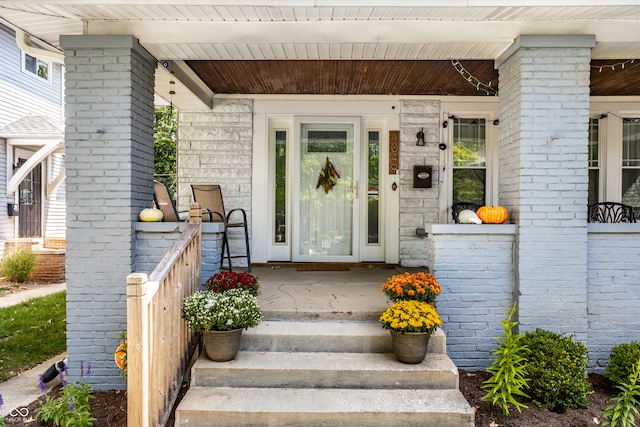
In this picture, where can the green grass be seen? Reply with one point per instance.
(31, 332)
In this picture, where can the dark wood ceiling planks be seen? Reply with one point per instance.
(382, 77)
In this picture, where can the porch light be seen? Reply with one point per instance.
(420, 136)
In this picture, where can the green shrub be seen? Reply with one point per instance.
(557, 370)
(508, 370)
(18, 265)
(621, 360)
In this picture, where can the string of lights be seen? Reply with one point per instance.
(486, 88)
(613, 66)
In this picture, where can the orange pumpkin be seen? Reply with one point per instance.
(492, 214)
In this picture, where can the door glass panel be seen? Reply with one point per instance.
(29, 203)
(373, 189)
(280, 235)
(326, 195)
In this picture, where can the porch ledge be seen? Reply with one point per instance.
(470, 229)
(168, 227)
(618, 228)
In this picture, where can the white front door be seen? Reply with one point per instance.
(325, 189)
(306, 222)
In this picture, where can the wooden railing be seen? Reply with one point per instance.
(159, 344)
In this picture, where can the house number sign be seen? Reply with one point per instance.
(394, 151)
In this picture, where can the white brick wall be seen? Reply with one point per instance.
(418, 207)
(544, 107)
(613, 283)
(474, 265)
(216, 148)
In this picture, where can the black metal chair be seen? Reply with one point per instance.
(210, 197)
(610, 212)
(456, 208)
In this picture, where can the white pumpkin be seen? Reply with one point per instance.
(151, 215)
(467, 216)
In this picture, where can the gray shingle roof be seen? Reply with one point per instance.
(34, 127)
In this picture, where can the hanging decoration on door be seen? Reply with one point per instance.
(328, 177)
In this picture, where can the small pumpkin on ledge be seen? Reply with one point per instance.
(151, 214)
(493, 214)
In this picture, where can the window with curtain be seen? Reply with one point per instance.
(594, 163)
(469, 160)
(631, 162)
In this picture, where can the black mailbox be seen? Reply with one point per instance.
(421, 176)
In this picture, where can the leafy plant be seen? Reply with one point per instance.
(410, 316)
(623, 412)
(508, 370)
(70, 406)
(221, 311)
(557, 369)
(408, 286)
(18, 265)
(621, 360)
(226, 280)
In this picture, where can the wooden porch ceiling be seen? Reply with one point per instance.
(385, 77)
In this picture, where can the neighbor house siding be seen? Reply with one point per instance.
(22, 94)
(55, 205)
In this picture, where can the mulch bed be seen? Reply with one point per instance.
(110, 407)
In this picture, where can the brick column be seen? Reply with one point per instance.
(544, 111)
(109, 166)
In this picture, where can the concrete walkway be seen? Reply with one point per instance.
(20, 391)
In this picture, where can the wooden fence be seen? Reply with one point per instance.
(159, 344)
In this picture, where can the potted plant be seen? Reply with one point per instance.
(411, 323)
(412, 286)
(227, 280)
(221, 317)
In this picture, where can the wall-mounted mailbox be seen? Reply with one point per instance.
(422, 176)
(11, 209)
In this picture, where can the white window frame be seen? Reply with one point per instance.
(488, 111)
(39, 61)
(610, 113)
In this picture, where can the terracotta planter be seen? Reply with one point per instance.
(410, 347)
(222, 346)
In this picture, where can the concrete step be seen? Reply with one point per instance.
(325, 370)
(223, 406)
(328, 336)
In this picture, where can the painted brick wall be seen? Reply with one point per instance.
(544, 177)
(109, 153)
(153, 240)
(475, 267)
(216, 148)
(613, 284)
(418, 207)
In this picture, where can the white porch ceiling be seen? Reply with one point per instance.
(182, 30)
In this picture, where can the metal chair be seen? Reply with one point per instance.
(610, 212)
(165, 203)
(210, 197)
(456, 208)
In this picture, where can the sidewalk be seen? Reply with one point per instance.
(20, 391)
